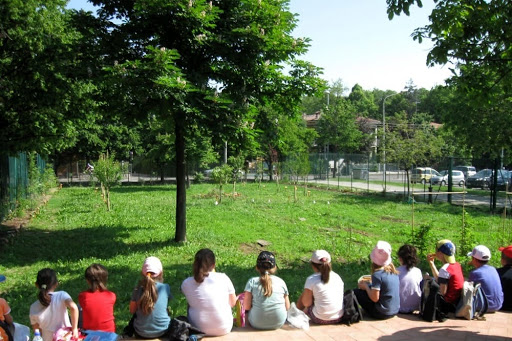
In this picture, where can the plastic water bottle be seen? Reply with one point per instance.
(37, 335)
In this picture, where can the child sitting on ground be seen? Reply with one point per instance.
(266, 296)
(505, 273)
(410, 279)
(380, 298)
(322, 297)
(13, 330)
(149, 302)
(97, 303)
(50, 312)
(449, 277)
(487, 276)
(5, 314)
(210, 296)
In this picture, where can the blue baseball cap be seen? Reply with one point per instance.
(447, 248)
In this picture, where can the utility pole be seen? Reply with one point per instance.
(384, 137)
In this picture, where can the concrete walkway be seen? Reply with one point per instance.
(497, 326)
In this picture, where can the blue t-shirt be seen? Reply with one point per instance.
(156, 323)
(389, 287)
(488, 277)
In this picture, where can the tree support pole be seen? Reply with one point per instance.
(181, 190)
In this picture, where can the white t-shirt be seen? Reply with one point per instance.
(327, 297)
(410, 292)
(53, 317)
(209, 308)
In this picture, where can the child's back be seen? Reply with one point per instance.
(50, 312)
(155, 323)
(97, 303)
(149, 301)
(98, 310)
(53, 317)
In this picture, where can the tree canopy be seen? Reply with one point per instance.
(39, 79)
(473, 37)
(225, 58)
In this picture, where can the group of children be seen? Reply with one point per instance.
(211, 295)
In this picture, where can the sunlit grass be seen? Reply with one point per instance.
(75, 230)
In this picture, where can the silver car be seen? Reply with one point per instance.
(457, 178)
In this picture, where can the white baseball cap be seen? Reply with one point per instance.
(480, 252)
(320, 256)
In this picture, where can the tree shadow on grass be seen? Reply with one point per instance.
(72, 245)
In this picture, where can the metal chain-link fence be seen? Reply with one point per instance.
(338, 170)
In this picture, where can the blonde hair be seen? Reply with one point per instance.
(147, 300)
(266, 280)
(390, 268)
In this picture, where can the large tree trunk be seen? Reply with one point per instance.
(181, 190)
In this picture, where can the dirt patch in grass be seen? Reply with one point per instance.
(11, 228)
(362, 233)
(249, 248)
(393, 219)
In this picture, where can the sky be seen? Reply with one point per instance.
(353, 41)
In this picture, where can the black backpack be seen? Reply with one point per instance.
(430, 296)
(352, 310)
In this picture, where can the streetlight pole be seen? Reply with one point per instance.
(384, 137)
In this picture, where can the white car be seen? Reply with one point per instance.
(457, 178)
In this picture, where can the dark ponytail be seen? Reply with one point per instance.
(324, 269)
(46, 282)
(204, 262)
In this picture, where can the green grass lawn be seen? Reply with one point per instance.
(74, 230)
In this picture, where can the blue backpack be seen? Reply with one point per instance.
(473, 303)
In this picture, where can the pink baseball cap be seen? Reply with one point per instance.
(152, 265)
(381, 253)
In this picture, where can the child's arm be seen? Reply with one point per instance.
(247, 300)
(133, 307)
(232, 300)
(6, 309)
(286, 302)
(431, 258)
(73, 309)
(8, 318)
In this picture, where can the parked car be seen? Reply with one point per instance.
(457, 178)
(484, 179)
(467, 170)
(423, 174)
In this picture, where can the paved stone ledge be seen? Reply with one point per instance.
(497, 326)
